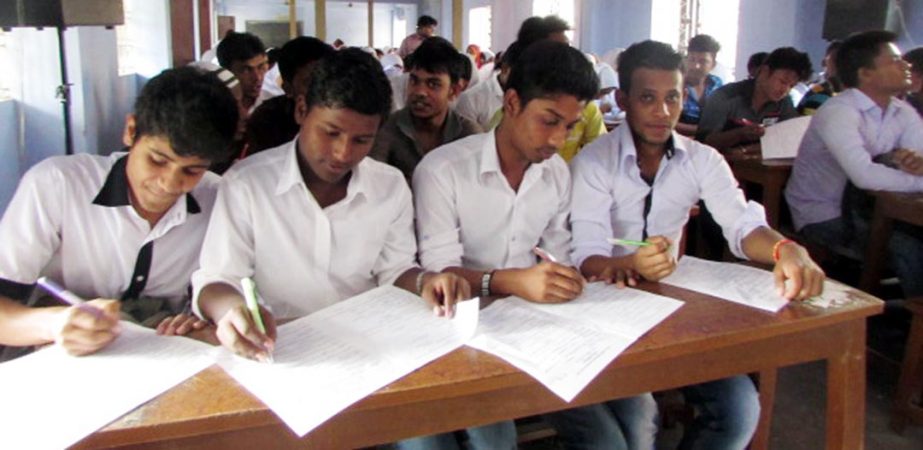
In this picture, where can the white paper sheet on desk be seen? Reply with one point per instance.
(728, 281)
(50, 399)
(783, 139)
(564, 346)
(335, 357)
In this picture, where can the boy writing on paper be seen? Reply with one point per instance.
(314, 221)
(124, 226)
(639, 183)
(486, 201)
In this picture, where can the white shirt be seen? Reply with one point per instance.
(469, 216)
(399, 90)
(843, 137)
(268, 226)
(71, 220)
(609, 195)
(480, 102)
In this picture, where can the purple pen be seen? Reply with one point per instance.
(58, 291)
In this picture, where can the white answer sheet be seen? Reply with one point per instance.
(783, 139)
(564, 346)
(325, 362)
(52, 400)
(729, 281)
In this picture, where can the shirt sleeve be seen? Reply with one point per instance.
(591, 203)
(228, 252)
(556, 239)
(839, 127)
(438, 233)
(400, 247)
(30, 231)
(725, 200)
(714, 115)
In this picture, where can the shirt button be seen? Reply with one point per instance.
(139, 278)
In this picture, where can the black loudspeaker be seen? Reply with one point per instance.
(60, 13)
(844, 17)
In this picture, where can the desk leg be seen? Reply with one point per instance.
(767, 388)
(877, 251)
(846, 392)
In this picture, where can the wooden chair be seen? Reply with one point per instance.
(908, 400)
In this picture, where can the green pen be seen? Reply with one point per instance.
(628, 242)
(252, 305)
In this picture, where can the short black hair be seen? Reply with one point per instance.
(537, 28)
(466, 65)
(238, 47)
(859, 51)
(427, 21)
(192, 109)
(915, 58)
(756, 60)
(833, 46)
(549, 68)
(351, 79)
(510, 56)
(647, 55)
(301, 51)
(703, 43)
(789, 58)
(437, 55)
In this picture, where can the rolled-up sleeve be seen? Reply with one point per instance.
(726, 202)
(228, 249)
(438, 236)
(591, 203)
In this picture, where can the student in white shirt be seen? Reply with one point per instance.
(314, 221)
(639, 183)
(486, 201)
(124, 226)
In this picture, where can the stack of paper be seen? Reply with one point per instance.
(564, 346)
(339, 355)
(52, 400)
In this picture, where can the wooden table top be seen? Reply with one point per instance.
(212, 402)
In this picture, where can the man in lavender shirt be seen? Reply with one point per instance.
(863, 139)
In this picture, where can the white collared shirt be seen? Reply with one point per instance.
(609, 195)
(469, 216)
(71, 220)
(481, 102)
(267, 225)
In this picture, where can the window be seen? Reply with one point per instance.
(128, 38)
(719, 18)
(479, 23)
(561, 8)
(7, 80)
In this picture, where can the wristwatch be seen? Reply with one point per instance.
(485, 283)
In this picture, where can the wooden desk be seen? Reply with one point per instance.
(706, 339)
(750, 167)
(889, 206)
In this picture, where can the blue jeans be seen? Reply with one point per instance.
(628, 423)
(496, 436)
(727, 413)
(905, 248)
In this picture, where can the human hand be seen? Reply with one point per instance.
(654, 261)
(88, 327)
(238, 332)
(908, 161)
(805, 278)
(443, 290)
(549, 282)
(620, 277)
(180, 325)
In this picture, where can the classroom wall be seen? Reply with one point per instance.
(11, 153)
(608, 24)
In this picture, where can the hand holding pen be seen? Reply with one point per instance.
(86, 326)
(548, 281)
(654, 260)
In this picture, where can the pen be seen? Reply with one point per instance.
(617, 241)
(253, 306)
(542, 253)
(69, 297)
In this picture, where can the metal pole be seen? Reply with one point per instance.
(63, 94)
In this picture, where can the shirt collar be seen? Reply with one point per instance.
(114, 192)
(490, 159)
(359, 183)
(866, 104)
(675, 146)
(404, 122)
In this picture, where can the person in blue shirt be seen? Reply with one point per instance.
(700, 83)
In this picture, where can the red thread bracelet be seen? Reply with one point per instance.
(778, 246)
